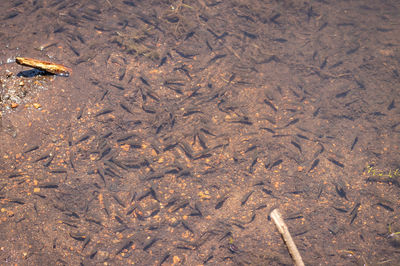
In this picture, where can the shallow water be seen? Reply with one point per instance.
(185, 123)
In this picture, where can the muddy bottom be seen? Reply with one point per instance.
(185, 123)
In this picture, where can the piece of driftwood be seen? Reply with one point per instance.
(49, 67)
(282, 228)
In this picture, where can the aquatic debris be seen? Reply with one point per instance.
(49, 67)
(283, 230)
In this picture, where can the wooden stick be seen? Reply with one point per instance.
(282, 228)
(44, 65)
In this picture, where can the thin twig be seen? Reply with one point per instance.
(282, 228)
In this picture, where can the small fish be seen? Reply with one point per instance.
(48, 185)
(208, 259)
(77, 236)
(130, 211)
(336, 65)
(311, 13)
(251, 148)
(250, 35)
(49, 67)
(118, 200)
(144, 195)
(186, 149)
(202, 140)
(43, 157)
(103, 95)
(209, 46)
(11, 15)
(320, 151)
(207, 132)
(294, 121)
(323, 26)
(125, 107)
(354, 212)
(314, 164)
(295, 216)
(100, 172)
(93, 254)
(336, 162)
(353, 50)
(197, 211)
(153, 194)
(171, 203)
(276, 163)
(215, 58)
(183, 69)
(16, 200)
(243, 120)
(324, 63)
(252, 165)
(144, 81)
(187, 227)
(83, 137)
(281, 40)
(185, 55)
(181, 205)
(104, 152)
(202, 155)
(154, 213)
(263, 206)
(340, 191)
(58, 171)
(342, 94)
(268, 129)
(296, 145)
(316, 112)
(80, 113)
(32, 148)
(388, 208)
(74, 50)
(117, 86)
(129, 3)
(354, 143)
(320, 190)
(295, 93)
(86, 242)
(340, 209)
(118, 219)
(126, 136)
(191, 112)
(150, 243)
(220, 203)
(246, 198)
(165, 257)
(391, 106)
(189, 35)
(104, 112)
(174, 82)
(49, 160)
(125, 245)
(270, 104)
(302, 136)
(163, 61)
(274, 18)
